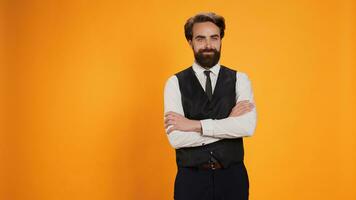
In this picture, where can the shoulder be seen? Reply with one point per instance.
(228, 73)
(227, 69)
(239, 74)
(243, 81)
(184, 72)
(242, 76)
(171, 81)
(174, 78)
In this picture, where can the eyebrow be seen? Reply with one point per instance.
(201, 36)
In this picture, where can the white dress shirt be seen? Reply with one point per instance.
(212, 130)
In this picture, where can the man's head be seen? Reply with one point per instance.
(204, 32)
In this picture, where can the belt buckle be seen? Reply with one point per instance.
(212, 165)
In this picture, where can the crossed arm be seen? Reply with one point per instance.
(183, 132)
(178, 122)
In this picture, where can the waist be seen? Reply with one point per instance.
(210, 166)
(226, 151)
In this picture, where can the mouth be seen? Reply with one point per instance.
(208, 52)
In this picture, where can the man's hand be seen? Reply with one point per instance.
(180, 123)
(241, 108)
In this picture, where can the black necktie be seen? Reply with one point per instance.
(208, 89)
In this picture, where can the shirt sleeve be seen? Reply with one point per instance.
(234, 127)
(172, 102)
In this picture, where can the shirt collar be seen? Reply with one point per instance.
(199, 69)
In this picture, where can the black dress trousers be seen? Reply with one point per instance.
(220, 184)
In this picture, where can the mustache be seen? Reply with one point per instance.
(207, 50)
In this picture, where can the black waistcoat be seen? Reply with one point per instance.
(197, 106)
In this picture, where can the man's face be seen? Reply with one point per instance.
(206, 44)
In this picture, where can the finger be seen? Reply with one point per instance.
(246, 100)
(244, 109)
(166, 125)
(169, 118)
(171, 129)
(241, 103)
(240, 107)
(249, 105)
(170, 122)
(240, 112)
(171, 113)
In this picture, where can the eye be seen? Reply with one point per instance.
(215, 38)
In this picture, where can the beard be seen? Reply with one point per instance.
(207, 60)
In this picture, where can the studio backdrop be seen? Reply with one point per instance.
(82, 96)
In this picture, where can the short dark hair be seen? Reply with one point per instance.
(218, 20)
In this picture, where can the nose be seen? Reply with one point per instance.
(208, 44)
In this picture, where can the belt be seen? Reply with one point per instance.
(211, 165)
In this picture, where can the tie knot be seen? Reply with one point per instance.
(207, 72)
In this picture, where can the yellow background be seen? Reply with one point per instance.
(82, 96)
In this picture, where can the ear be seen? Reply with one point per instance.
(190, 43)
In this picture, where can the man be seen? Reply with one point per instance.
(209, 108)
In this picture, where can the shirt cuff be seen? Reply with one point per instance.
(207, 127)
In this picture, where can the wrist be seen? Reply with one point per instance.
(197, 126)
